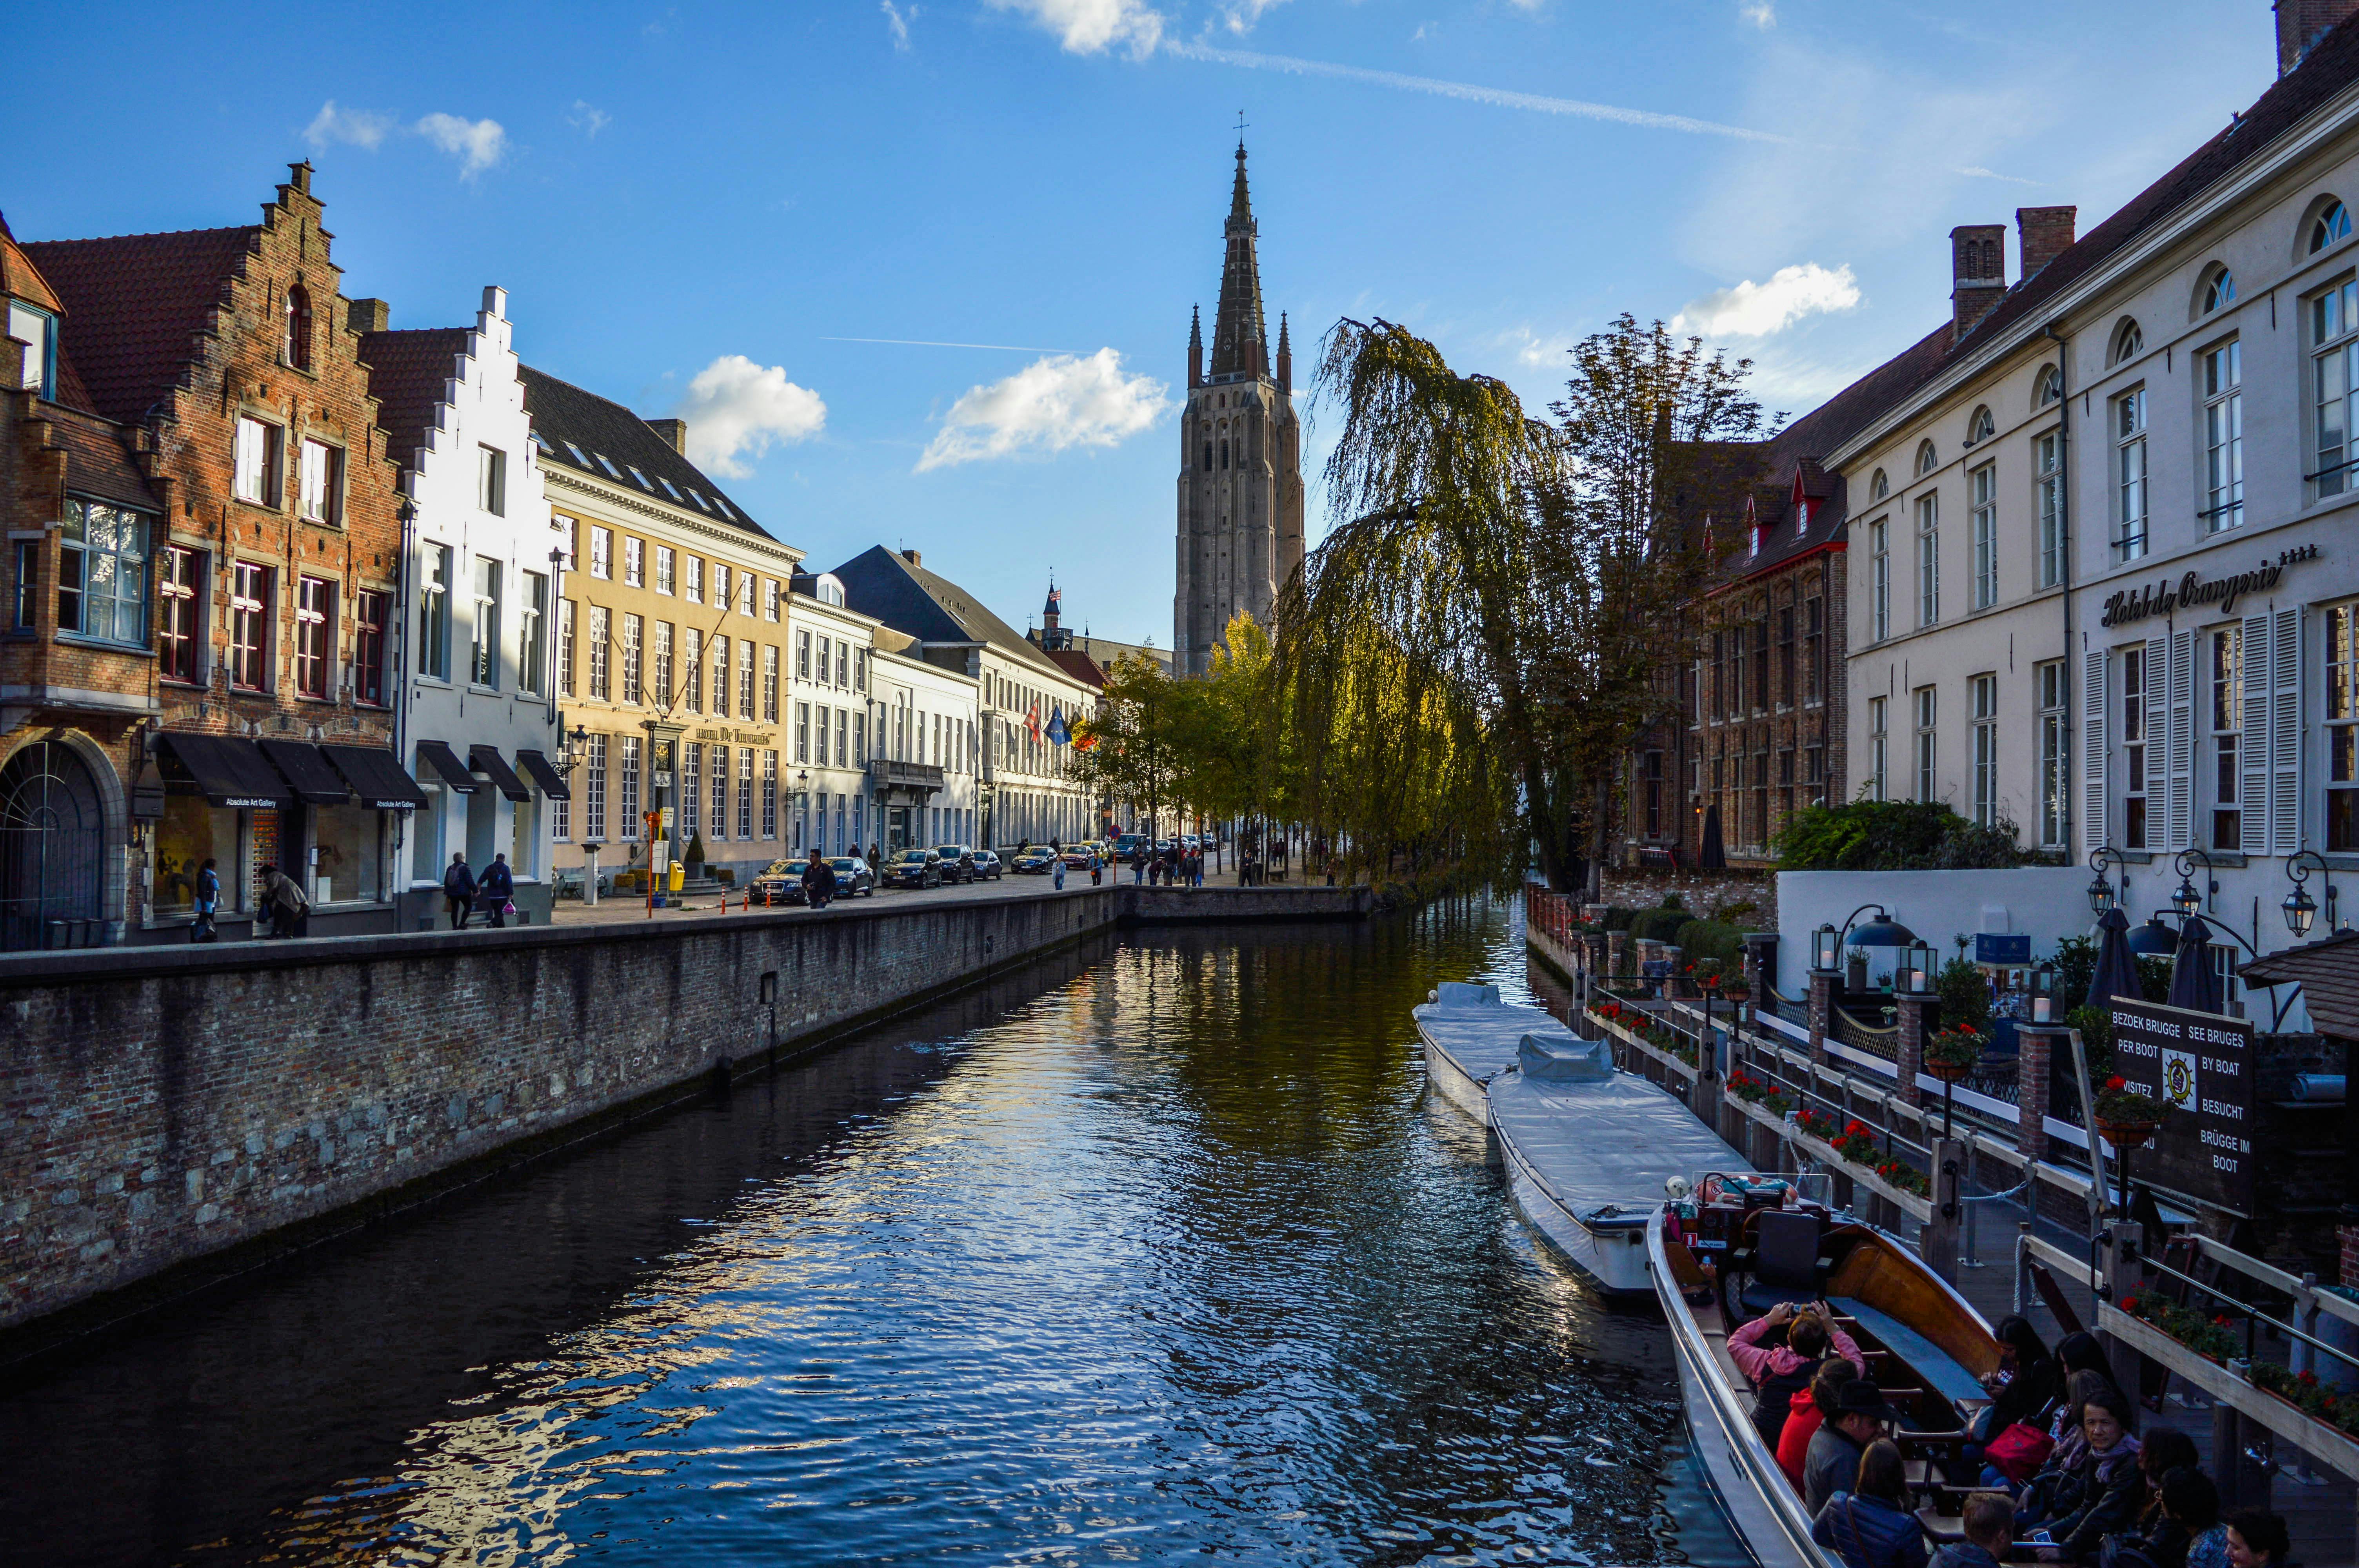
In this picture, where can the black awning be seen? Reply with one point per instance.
(537, 767)
(227, 770)
(377, 777)
(454, 771)
(485, 760)
(309, 771)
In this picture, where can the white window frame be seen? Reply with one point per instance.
(2050, 683)
(1879, 546)
(1925, 705)
(1983, 495)
(2133, 500)
(2333, 321)
(1929, 559)
(2048, 480)
(1983, 698)
(2220, 372)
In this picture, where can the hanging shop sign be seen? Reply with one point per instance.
(2195, 592)
(2203, 1063)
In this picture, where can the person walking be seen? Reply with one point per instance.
(284, 898)
(497, 888)
(1059, 863)
(459, 890)
(1138, 867)
(819, 882)
(207, 901)
(1096, 865)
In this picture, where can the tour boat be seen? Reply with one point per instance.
(1470, 1035)
(1735, 1245)
(1587, 1149)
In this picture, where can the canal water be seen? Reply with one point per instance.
(1159, 1250)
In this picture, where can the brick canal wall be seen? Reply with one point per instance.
(172, 1113)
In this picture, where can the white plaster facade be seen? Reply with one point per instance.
(925, 717)
(832, 721)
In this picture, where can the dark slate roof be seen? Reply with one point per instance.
(408, 373)
(890, 587)
(565, 418)
(99, 460)
(137, 305)
(2328, 973)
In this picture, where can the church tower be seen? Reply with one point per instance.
(1240, 459)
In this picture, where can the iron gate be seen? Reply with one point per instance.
(52, 844)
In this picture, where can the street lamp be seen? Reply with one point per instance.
(2186, 900)
(2299, 908)
(1826, 946)
(2043, 992)
(2101, 892)
(1918, 961)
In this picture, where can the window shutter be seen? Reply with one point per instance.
(2179, 743)
(2252, 759)
(2095, 731)
(2158, 743)
(2285, 731)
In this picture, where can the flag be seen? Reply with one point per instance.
(1085, 742)
(1056, 727)
(1032, 720)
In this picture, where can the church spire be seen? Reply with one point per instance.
(1285, 357)
(1240, 345)
(1195, 346)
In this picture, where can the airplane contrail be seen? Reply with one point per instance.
(932, 343)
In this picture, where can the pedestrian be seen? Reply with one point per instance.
(1137, 867)
(1059, 864)
(1988, 1519)
(819, 882)
(459, 890)
(1196, 866)
(1871, 1526)
(207, 901)
(283, 896)
(1096, 865)
(876, 858)
(497, 888)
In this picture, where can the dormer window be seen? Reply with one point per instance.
(296, 346)
(1801, 516)
(38, 330)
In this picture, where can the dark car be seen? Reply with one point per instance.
(1036, 862)
(986, 864)
(852, 877)
(958, 862)
(781, 882)
(914, 868)
(1129, 847)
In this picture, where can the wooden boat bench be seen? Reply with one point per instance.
(1928, 1360)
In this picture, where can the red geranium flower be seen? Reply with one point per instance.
(2307, 1379)
(1858, 1129)
(2116, 1082)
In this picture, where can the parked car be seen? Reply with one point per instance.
(1129, 847)
(1190, 843)
(852, 877)
(780, 882)
(986, 864)
(1036, 862)
(958, 862)
(1077, 857)
(913, 869)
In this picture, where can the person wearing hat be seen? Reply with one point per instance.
(1831, 1465)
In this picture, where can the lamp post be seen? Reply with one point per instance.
(2101, 892)
(1918, 959)
(1826, 947)
(2299, 908)
(2185, 899)
(802, 811)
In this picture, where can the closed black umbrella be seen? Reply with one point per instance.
(1714, 856)
(2193, 984)
(2116, 973)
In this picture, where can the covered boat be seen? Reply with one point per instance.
(1731, 1251)
(1470, 1037)
(1587, 1149)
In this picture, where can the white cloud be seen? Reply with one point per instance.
(734, 407)
(1086, 27)
(1241, 15)
(1052, 404)
(897, 22)
(588, 120)
(361, 127)
(1755, 310)
(477, 143)
(1760, 13)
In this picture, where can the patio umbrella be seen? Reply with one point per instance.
(2116, 973)
(2193, 985)
(1714, 856)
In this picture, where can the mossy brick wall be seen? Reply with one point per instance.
(158, 1107)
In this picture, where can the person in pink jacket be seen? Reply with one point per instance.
(1784, 1367)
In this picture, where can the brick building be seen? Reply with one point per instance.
(253, 580)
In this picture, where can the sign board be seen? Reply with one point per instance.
(2203, 1063)
(663, 778)
(2002, 946)
(666, 815)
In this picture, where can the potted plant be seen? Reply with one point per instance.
(695, 857)
(1954, 1053)
(2126, 1118)
(1856, 966)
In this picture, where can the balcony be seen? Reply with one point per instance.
(886, 774)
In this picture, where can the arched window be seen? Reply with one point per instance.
(298, 347)
(2331, 227)
(1927, 459)
(1981, 426)
(1878, 487)
(1208, 457)
(1224, 454)
(2049, 388)
(2219, 288)
(2128, 342)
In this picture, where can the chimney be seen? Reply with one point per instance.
(672, 430)
(1977, 273)
(2302, 22)
(913, 558)
(368, 315)
(2042, 233)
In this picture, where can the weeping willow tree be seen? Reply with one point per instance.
(1485, 633)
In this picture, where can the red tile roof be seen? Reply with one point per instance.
(99, 463)
(1078, 664)
(136, 306)
(408, 372)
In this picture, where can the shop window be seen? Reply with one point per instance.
(190, 833)
(347, 838)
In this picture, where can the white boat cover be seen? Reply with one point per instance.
(1484, 1038)
(1605, 1141)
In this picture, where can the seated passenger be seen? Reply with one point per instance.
(1811, 1408)
(2256, 1539)
(2158, 1541)
(2090, 1489)
(1831, 1465)
(1798, 1340)
(1869, 1526)
(1989, 1520)
(2027, 1383)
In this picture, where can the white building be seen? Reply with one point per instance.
(478, 724)
(834, 723)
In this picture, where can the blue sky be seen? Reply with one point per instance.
(693, 206)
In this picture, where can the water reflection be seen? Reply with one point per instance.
(1169, 1257)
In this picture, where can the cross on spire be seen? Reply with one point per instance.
(1241, 128)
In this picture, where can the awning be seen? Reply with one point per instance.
(537, 767)
(485, 760)
(375, 777)
(309, 771)
(454, 771)
(227, 770)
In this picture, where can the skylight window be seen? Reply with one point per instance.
(642, 478)
(580, 457)
(675, 491)
(608, 464)
(541, 441)
(698, 496)
(724, 509)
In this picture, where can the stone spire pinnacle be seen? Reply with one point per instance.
(1195, 346)
(1240, 343)
(1285, 356)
